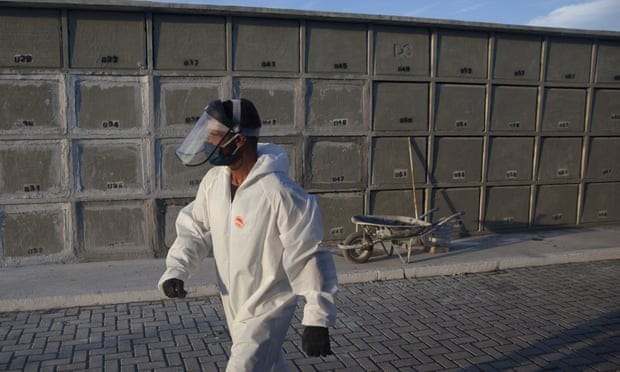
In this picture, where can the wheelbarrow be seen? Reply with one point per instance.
(399, 231)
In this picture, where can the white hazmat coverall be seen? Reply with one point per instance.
(266, 250)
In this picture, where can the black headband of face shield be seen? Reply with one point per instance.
(216, 110)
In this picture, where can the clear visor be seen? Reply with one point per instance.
(192, 151)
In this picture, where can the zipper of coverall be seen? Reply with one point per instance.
(230, 222)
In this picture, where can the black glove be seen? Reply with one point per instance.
(315, 341)
(174, 288)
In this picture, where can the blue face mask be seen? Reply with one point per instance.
(216, 157)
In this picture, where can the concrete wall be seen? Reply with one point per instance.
(518, 126)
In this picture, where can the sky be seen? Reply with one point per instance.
(575, 14)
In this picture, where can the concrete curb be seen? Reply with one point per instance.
(55, 302)
(514, 262)
(346, 277)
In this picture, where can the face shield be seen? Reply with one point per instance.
(213, 132)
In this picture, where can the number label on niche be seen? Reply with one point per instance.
(24, 123)
(458, 175)
(115, 185)
(339, 122)
(190, 62)
(35, 251)
(511, 174)
(400, 173)
(22, 58)
(110, 124)
(460, 123)
(32, 188)
(109, 59)
(509, 220)
(191, 119)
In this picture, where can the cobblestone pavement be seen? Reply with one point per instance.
(564, 317)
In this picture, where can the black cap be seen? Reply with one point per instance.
(249, 117)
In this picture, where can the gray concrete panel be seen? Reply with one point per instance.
(265, 45)
(462, 54)
(608, 63)
(180, 102)
(401, 51)
(564, 110)
(390, 160)
(336, 211)
(560, 159)
(603, 158)
(32, 106)
(174, 177)
(275, 100)
(513, 108)
(167, 213)
(107, 106)
(450, 201)
(601, 203)
(556, 205)
(108, 40)
(34, 170)
(30, 38)
(510, 158)
(339, 48)
(294, 149)
(457, 160)
(336, 163)
(459, 107)
(396, 202)
(109, 167)
(29, 232)
(189, 42)
(113, 231)
(507, 208)
(400, 106)
(606, 111)
(568, 60)
(335, 106)
(517, 57)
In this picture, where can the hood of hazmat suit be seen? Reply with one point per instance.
(266, 245)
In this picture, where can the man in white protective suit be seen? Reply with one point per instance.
(264, 232)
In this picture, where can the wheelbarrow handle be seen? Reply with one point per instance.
(428, 212)
(451, 217)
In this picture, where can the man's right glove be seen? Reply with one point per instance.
(174, 288)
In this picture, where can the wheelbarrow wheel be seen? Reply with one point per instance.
(360, 255)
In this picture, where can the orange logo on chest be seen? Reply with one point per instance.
(239, 222)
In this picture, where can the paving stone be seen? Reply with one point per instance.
(552, 317)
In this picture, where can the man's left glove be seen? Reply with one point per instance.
(315, 341)
(174, 288)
